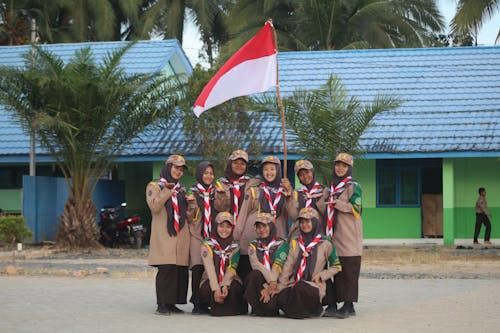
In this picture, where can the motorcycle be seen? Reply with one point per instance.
(115, 230)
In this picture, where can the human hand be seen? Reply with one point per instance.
(287, 186)
(218, 297)
(265, 296)
(316, 279)
(273, 286)
(224, 292)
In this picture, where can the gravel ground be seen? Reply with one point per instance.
(379, 262)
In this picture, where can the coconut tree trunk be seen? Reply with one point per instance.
(78, 228)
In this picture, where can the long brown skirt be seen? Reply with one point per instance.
(300, 301)
(172, 284)
(253, 286)
(346, 282)
(233, 305)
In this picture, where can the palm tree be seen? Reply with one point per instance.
(84, 113)
(337, 24)
(471, 15)
(326, 121)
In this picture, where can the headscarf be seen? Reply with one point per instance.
(302, 198)
(229, 173)
(337, 179)
(273, 187)
(181, 197)
(224, 244)
(311, 259)
(200, 170)
(258, 242)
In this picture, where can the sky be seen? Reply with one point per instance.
(486, 36)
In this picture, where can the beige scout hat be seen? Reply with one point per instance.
(271, 159)
(265, 218)
(308, 213)
(302, 164)
(238, 154)
(224, 217)
(346, 158)
(176, 160)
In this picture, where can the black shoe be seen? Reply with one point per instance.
(162, 309)
(200, 309)
(318, 311)
(172, 308)
(331, 311)
(347, 309)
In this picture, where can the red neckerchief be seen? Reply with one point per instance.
(331, 208)
(305, 254)
(175, 204)
(273, 206)
(236, 196)
(315, 189)
(207, 214)
(223, 256)
(266, 259)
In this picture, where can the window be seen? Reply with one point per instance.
(398, 183)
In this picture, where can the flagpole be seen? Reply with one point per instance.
(280, 102)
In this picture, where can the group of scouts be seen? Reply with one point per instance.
(235, 237)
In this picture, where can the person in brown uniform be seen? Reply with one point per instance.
(201, 218)
(169, 243)
(220, 286)
(267, 256)
(311, 261)
(343, 214)
(262, 196)
(482, 217)
(305, 196)
(230, 194)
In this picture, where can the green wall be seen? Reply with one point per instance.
(10, 200)
(383, 222)
(470, 174)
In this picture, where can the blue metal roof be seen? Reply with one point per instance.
(144, 57)
(451, 103)
(451, 96)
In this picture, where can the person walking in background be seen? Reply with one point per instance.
(169, 242)
(482, 217)
(343, 214)
(221, 286)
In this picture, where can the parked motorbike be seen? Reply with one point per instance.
(115, 231)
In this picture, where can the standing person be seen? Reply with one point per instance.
(262, 196)
(305, 196)
(169, 243)
(482, 217)
(267, 256)
(221, 287)
(343, 212)
(201, 217)
(233, 187)
(311, 261)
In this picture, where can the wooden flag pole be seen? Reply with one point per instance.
(280, 102)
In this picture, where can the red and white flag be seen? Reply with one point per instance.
(252, 69)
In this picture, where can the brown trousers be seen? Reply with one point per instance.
(346, 282)
(300, 301)
(253, 286)
(171, 284)
(233, 305)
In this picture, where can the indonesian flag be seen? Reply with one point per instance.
(252, 69)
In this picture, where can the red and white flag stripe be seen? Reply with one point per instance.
(252, 69)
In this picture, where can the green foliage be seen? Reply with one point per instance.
(221, 129)
(327, 121)
(472, 14)
(13, 229)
